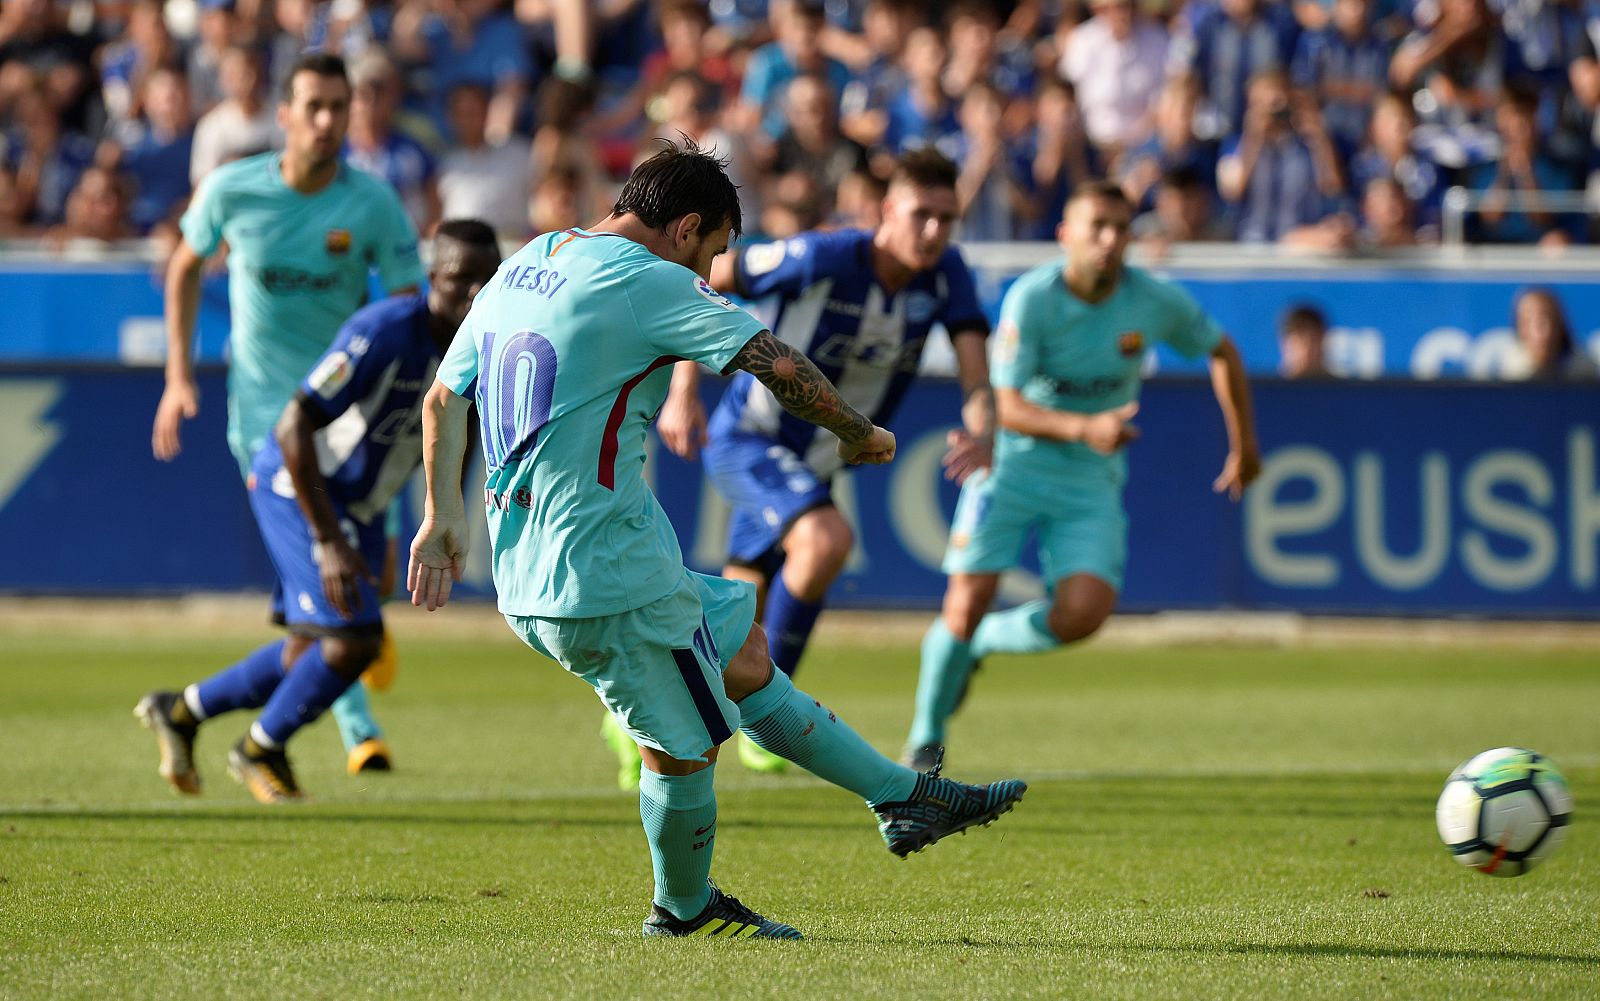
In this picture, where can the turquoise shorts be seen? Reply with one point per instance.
(658, 668)
(1080, 526)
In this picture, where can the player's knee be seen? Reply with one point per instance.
(824, 542)
(751, 668)
(348, 656)
(1071, 623)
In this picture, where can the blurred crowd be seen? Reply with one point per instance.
(1325, 124)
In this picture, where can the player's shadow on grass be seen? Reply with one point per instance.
(1312, 950)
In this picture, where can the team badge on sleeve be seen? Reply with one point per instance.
(1130, 343)
(1005, 343)
(704, 288)
(332, 375)
(763, 257)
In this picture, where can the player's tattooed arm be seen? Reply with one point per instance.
(800, 387)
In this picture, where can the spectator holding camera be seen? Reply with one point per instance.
(1282, 174)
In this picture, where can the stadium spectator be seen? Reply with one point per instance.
(1302, 334)
(1389, 152)
(479, 179)
(96, 212)
(922, 114)
(1343, 68)
(811, 142)
(218, 31)
(796, 49)
(685, 47)
(995, 185)
(46, 156)
(878, 71)
(978, 52)
(1117, 62)
(468, 42)
(1223, 48)
(125, 63)
(243, 124)
(1524, 171)
(1174, 145)
(1457, 66)
(1388, 219)
(34, 36)
(1184, 212)
(690, 104)
(555, 202)
(1553, 54)
(1282, 174)
(376, 145)
(154, 152)
(13, 207)
(794, 204)
(859, 204)
(1062, 156)
(1546, 347)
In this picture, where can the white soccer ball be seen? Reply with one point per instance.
(1504, 811)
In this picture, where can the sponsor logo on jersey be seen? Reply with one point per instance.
(763, 258)
(1130, 343)
(331, 375)
(704, 288)
(337, 241)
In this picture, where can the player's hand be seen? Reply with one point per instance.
(437, 555)
(1109, 431)
(873, 450)
(682, 425)
(1238, 472)
(342, 570)
(967, 454)
(179, 402)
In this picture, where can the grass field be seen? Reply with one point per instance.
(1202, 822)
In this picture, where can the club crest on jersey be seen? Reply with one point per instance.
(337, 241)
(1130, 343)
(763, 258)
(704, 288)
(331, 375)
(920, 306)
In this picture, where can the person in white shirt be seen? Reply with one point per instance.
(1116, 60)
(480, 181)
(243, 124)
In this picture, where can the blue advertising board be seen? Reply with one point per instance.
(1376, 498)
(1396, 321)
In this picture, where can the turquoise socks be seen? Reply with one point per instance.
(680, 822)
(1024, 629)
(946, 663)
(793, 725)
(354, 717)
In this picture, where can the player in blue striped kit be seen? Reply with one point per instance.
(319, 488)
(860, 304)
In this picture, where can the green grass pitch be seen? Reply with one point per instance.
(1202, 822)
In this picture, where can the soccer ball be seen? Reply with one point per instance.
(1504, 811)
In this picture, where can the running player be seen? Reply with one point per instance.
(302, 230)
(1072, 336)
(319, 488)
(567, 353)
(859, 304)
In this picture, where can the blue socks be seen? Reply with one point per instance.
(353, 715)
(680, 822)
(245, 685)
(946, 665)
(788, 622)
(1024, 629)
(305, 694)
(793, 725)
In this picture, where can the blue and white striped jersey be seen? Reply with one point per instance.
(831, 307)
(371, 382)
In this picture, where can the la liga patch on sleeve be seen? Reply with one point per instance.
(704, 288)
(331, 375)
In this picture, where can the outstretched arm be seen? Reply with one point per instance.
(440, 549)
(180, 399)
(804, 391)
(1232, 387)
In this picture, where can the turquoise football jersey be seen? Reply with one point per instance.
(297, 269)
(1067, 354)
(568, 353)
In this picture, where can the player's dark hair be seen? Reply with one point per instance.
(679, 179)
(1305, 317)
(925, 168)
(472, 232)
(1100, 188)
(325, 64)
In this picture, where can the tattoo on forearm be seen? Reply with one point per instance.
(800, 387)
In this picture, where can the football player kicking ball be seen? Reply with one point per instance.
(1066, 375)
(319, 489)
(569, 353)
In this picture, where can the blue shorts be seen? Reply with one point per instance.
(767, 485)
(658, 668)
(1080, 526)
(297, 600)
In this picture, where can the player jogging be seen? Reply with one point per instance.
(859, 304)
(302, 230)
(568, 354)
(1072, 336)
(350, 439)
